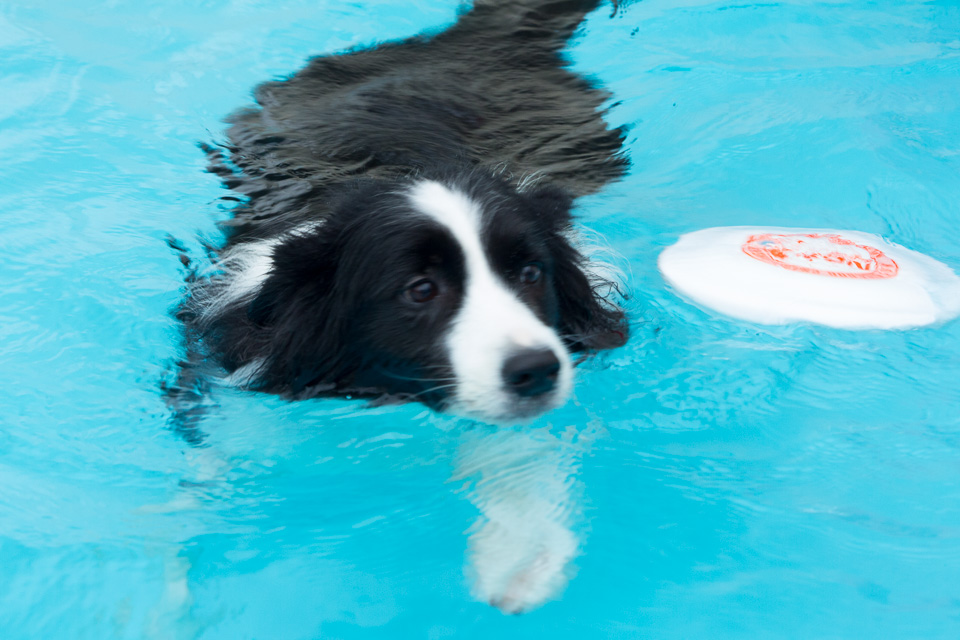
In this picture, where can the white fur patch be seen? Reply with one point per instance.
(245, 375)
(492, 323)
(242, 271)
(244, 268)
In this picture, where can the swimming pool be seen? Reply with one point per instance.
(721, 479)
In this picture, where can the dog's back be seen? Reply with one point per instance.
(491, 91)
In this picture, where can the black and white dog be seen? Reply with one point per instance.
(404, 227)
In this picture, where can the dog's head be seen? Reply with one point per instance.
(458, 292)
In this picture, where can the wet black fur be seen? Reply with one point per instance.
(486, 105)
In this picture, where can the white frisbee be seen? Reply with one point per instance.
(844, 279)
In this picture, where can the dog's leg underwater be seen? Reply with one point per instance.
(521, 548)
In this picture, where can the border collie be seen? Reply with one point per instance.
(404, 223)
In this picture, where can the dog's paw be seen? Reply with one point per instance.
(519, 565)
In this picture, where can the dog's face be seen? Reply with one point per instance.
(462, 294)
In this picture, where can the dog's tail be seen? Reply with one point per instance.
(552, 20)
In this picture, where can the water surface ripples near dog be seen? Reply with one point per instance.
(714, 478)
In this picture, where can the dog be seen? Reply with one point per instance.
(403, 233)
(404, 227)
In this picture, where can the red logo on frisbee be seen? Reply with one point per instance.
(822, 254)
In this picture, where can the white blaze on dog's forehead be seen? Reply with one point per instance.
(454, 210)
(492, 323)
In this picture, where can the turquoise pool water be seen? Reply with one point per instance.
(720, 479)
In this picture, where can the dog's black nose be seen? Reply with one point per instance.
(531, 372)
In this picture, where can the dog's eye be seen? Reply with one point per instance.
(422, 290)
(531, 273)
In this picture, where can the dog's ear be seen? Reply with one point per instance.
(587, 319)
(262, 308)
(302, 273)
(299, 323)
